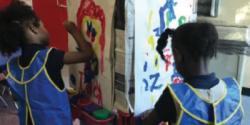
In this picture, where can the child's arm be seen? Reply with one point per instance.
(86, 52)
(2, 79)
(151, 119)
(3, 75)
(164, 110)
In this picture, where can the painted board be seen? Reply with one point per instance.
(94, 19)
(152, 74)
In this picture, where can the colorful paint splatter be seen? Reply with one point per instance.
(91, 21)
(153, 78)
(167, 9)
(152, 74)
(176, 77)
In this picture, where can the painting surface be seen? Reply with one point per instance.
(94, 20)
(152, 74)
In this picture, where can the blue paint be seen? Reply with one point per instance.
(171, 5)
(157, 32)
(156, 78)
(73, 79)
(91, 29)
(146, 84)
(156, 62)
(89, 26)
(168, 6)
(145, 67)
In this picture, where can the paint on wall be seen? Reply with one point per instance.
(152, 74)
(91, 17)
(92, 23)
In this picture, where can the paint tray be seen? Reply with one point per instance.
(90, 120)
(91, 108)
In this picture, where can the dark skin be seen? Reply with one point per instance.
(188, 68)
(39, 35)
(86, 51)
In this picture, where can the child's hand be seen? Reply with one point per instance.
(2, 77)
(70, 26)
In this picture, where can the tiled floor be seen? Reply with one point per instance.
(246, 106)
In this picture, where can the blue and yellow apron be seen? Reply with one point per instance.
(194, 110)
(38, 96)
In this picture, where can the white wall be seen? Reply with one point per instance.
(225, 65)
(246, 76)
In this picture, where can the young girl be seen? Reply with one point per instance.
(35, 76)
(203, 99)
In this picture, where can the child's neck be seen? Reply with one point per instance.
(198, 69)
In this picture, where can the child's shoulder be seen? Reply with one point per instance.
(231, 82)
(50, 52)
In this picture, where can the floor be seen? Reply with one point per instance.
(10, 116)
(246, 106)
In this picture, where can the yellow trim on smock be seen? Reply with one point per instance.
(28, 105)
(214, 104)
(208, 101)
(30, 80)
(179, 118)
(30, 63)
(52, 82)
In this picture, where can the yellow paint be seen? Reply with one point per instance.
(97, 25)
(150, 20)
(152, 98)
(151, 42)
(157, 66)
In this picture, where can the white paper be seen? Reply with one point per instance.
(152, 74)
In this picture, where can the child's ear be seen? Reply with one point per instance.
(30, 27)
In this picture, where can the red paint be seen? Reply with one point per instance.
(168, 61)
(177, 80)
(125, 118)
(89, 8)
(53, 17)
(81, 80)
(168, 57)
(4, 3)
(97, 93)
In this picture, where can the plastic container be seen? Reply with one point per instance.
(82, 102)
(101, 114)
(90, 120)
(75, 112)
(126, 118)
(91, 108)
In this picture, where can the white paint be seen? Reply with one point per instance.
(145, 53)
